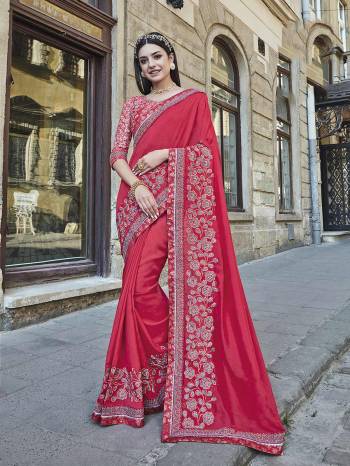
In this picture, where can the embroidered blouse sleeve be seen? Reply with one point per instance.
(123, 134)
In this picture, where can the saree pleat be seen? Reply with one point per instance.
(134, 376)
(199, 359)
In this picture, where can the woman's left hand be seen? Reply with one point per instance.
(151, 160)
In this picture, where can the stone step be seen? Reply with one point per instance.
(27, 305)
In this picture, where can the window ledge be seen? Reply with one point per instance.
(288, 217)
(55, 291)
(240, 217)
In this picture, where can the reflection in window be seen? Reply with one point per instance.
(226, 120)
(46, 218)
(24, 150)
(65, 169)
(283, 136)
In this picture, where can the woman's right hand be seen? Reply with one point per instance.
(145, 199)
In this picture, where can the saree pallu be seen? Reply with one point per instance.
(206, 371)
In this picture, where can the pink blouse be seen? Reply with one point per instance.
(134, 111)
(123, 134)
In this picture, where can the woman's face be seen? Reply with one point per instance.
(155, 62)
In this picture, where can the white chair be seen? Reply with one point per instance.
(24, 205)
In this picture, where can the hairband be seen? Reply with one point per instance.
(153, 36)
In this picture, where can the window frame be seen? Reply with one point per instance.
(236, 111)
(97, 199)
(288, 136)
(103, 5)
(342, 23)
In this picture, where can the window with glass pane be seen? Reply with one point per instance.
(91, 2)
(104, 5)
(283, 137)
(217, 122)
(46, 217)
(230, 163)
(285, 185)
(225, 110)
(342, 23)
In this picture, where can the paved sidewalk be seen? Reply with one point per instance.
(320, 431)
(51, 373)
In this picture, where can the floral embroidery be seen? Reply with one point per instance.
(201, 280)
(132, 384)
(159, 362)
(122, 134)
(191, 323)
(117, 154)
(124, 386)
(120, 384)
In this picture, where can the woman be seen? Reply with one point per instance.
(193, 354)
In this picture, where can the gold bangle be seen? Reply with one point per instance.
(134, 186)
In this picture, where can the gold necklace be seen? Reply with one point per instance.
(161, 91)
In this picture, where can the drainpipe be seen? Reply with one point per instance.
(315, 207)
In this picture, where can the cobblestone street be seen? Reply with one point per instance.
(51, 373)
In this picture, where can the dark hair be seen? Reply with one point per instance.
(156, 38)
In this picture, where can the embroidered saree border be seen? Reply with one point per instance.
(181, 401)
(131, 392)
(131, 220)
(142, 222)
(124, 414)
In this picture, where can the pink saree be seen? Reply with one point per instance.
(206, 369)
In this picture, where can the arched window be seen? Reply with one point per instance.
(226, 119)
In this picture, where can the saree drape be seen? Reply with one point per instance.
(203, 364)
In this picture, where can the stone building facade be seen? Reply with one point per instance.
(264, 65)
